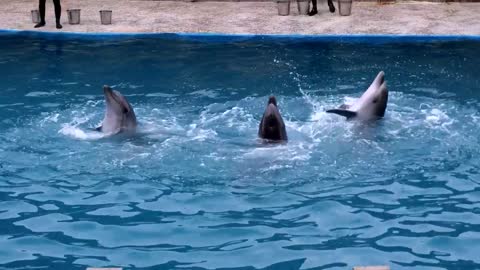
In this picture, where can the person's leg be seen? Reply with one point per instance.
(314, 8)
(58, 12)
(331, 6)
(41, 9)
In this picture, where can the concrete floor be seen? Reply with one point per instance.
(253, 17)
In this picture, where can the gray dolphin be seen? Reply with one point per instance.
(272, 126)
(371, 105)
(119, 114)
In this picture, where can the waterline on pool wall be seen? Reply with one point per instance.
(225, 37)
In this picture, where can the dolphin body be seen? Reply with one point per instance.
(272, 126)
(371, 105)
(119, 114)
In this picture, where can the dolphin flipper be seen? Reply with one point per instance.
(343, 112)
(99, 129)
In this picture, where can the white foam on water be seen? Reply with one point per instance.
(51, 118)
(69, 83)
(345, 86)
(426, 90)
(160, 125)
(73, 130)
(279, 152)
(437, 117)
(216, 156)
(350, 100)
(236, 117)
(11, 105)
(275, 167)
(199, 134)
(205, 93)
(475, 118)
(321, 124)
(170, 126)
(159, 94)
(126, 85)
(88, 96)
(94, 103)
(265, 152)
(77, 133)
(42, 94)
(410, 116)
(233, 126)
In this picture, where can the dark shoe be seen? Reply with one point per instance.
(313, 12)
(59, 26)
(331, 6)
(40, 24)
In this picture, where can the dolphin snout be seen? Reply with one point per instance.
(107, 89)
(272, 100)
(110, 96)
(381, 77)
(108, 92)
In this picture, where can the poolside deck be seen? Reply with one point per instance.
(253, 18)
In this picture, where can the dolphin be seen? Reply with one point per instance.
(119, 114)
(272, 126)
(371, 105)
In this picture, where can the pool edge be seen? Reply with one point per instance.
(227, 37)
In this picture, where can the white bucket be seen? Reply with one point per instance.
(73, 16)
(35, 16)
(283, 7)
(106, 16)
(303, 6)
(345, 7)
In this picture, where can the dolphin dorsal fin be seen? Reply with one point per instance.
(343, 112)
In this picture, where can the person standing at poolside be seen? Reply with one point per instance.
(58, 13)
(314, 7)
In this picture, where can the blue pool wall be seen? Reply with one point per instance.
(220, 37)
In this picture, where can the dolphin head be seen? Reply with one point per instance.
(272, 115)
(271, 120)
(381, 100)
(119, 115)
(272, 126)
(371, 105)
(373, 102)
(115, 101)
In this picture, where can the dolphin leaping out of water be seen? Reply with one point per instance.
(371, 105)
(119, 114)
(272, 126)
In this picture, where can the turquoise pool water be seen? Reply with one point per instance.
(195, 189)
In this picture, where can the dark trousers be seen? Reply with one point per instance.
(58, 9)
(314, 4)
